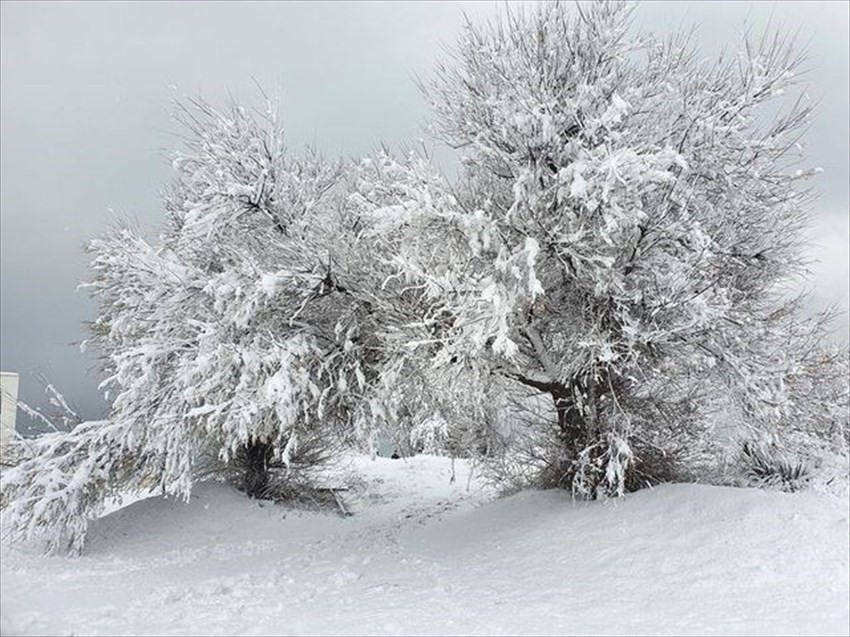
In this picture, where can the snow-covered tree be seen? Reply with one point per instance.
(595, 300)
(618, 238)
(421, 384)
(233, 341)
(240, 326)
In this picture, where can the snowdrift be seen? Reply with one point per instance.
(423, 555)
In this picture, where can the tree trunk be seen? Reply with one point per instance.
(575, 404)
(572, 424)
(257, 456)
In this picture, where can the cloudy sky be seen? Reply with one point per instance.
(86, 99)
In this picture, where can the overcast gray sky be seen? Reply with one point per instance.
(85, 112)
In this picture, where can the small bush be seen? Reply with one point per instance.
(765, 465)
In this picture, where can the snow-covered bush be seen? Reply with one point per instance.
(617, 240)
(765, 465)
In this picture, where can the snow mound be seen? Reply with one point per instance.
(423, 554)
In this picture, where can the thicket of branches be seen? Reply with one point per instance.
(595, 302)
(626, 216)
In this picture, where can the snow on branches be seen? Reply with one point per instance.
(618, 235)
(62, 478)
(243, 330)
(235, 336)
(592, 303)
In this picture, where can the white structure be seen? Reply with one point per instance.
(8, 412)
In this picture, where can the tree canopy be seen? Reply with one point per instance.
(595, 301)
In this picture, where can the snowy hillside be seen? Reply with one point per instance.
(420, 555)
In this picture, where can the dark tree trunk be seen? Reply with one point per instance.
(577, 404)
(578, 427)
(573, 425)
(257, 456)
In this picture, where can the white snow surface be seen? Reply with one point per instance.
(421, 555)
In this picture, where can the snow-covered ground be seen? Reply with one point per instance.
(421, 555)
